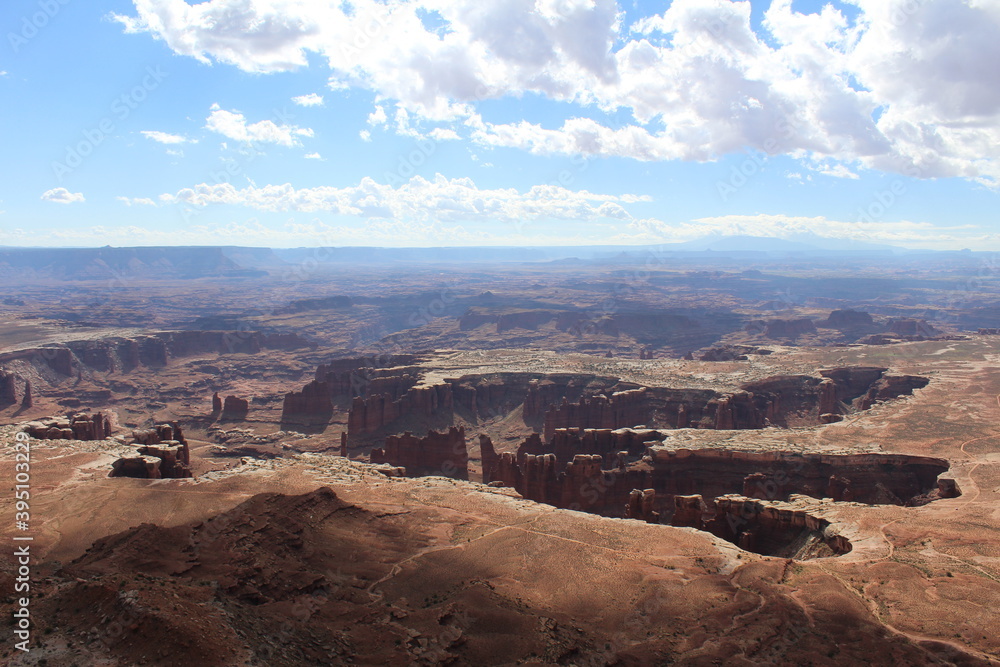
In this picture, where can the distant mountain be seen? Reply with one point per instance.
(121, 264)
(181, 262)
(802, 243)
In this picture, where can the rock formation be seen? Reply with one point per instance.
(785, 329)
(235, 408)
(343, 444)
(776, 475)
(310, 408)
(27, 401)
(163, 453)
(775, 528)
(906, 326)
(216, 404)
(8, 388)
(489, 458)
(848, 320)
(79, 426)
(640, 506)
(586, 483)
(435, 454)
(889, 387)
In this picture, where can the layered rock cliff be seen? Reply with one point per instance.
(435, 454)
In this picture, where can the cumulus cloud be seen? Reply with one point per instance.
(313, 156)
(233, 125)
(165, 137)
(62, 196)
(310, 100)
(892, 85)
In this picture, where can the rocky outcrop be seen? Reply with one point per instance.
(162, 453)
(775, 529)
(435, 454)
(622, 409)
(27, 400)
(889, 387)
(216, 404)
(731, 353)
(372, 414)
(526, 319)
(848, 320)
(606, 443)
(868, 478)
(475, 318)
(343, 444)
(139, 467)
(640, 506)
(489, 458)
(235, 408)
(311, 407)
(79, 426)
(906, 326)
(782, 329)
(8, 388)
(689, 511)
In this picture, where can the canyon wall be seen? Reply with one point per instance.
(587, 482)
(123, 354)
(434, 454)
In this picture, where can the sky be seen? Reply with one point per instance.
(290, 123)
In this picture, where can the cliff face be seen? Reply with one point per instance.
(602, 481)
(311, 407)
(868, 478)
(435, 454)
(235, 408)
(117, 354)
(782, 329)
(775, 529)
(912, 327)
(8, 388)
(379, 399)
(889, 387)
(849, 320)
(369, 415)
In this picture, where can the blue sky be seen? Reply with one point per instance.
(499, 122)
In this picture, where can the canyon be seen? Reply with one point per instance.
(569, 462)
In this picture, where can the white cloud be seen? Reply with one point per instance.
(837, 171)
(365, 135)
(377, 117)
(443, 134)
(313, 156)
(63, 196)
(165, 137)
(310, 100)
(233, 125)
(3, 72)
(136, 201)
(437, 200)
(907, 87)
